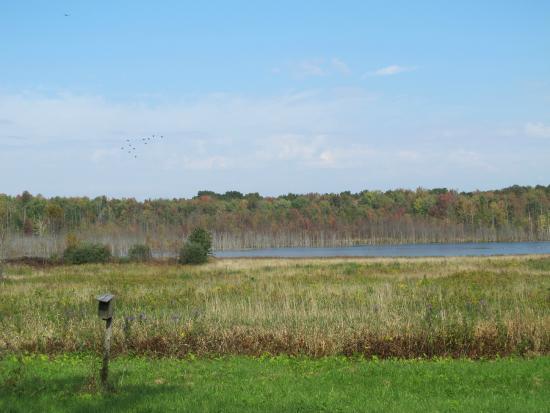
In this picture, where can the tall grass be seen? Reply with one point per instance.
(386, 307)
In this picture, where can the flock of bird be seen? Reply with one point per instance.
(131, 148)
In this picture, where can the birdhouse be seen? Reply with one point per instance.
(106, 304)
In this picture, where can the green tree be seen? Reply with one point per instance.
(193, 253)
(202, 237)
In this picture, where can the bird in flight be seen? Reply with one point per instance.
(131, 148)
(67, 14)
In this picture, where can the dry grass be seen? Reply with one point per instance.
(387, 307)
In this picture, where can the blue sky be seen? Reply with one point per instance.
(273, 97)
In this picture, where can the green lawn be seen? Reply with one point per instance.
(277, 384)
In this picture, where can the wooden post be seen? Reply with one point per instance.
(105, 312)
(106, 352)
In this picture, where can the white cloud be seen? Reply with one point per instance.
(296, 148)
(537, 130)
(67, 144)
(470, 159)
(214, 132)
(100, 155)
(347, 157)
(340, 66)
(290, 147)
(327, 157)
(408, 155)
(319, 151)
(311, 68)
(392, 70)
(506, 132)
(317, 68)
(210, 162)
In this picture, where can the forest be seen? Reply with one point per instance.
(37, 225)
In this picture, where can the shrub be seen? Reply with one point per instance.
(71, 240)
(139, 253)
(193, 253)
(202, 237)
(56, 259)
(86, 253)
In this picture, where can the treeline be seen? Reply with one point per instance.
(33, 224)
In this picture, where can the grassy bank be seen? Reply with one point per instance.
(474, 307)
(240, 384)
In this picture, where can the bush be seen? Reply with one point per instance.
(140, 253)
(193, 253)
(56, 259)
(202, 237)
(86, 253)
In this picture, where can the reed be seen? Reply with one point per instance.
(474, 307)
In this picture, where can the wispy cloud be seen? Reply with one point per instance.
(340, 66)
(215, 162)
(311, 68)
(471, 159)
(290, 141)
(317, 68)
(408, 155)
(290, 127)
(318, 151)
(537, 130)
(291, 147)
(101, 155)
(391, 70)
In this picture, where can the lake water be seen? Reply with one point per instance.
(405, 250)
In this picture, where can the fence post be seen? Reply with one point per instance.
(105, 312)
(106, 352)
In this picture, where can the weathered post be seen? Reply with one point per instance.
(105, 312)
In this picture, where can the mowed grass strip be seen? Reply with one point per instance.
(458, 307)
(274, 384)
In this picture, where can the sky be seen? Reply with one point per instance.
(272, 97)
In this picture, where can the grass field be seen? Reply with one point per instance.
(473, 307)
(430, 334)
(279, 384)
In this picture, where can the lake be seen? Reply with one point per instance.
(404, 250)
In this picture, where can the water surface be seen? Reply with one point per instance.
(405, 250)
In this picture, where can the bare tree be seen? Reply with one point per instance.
(4, 232)
(3, 236)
